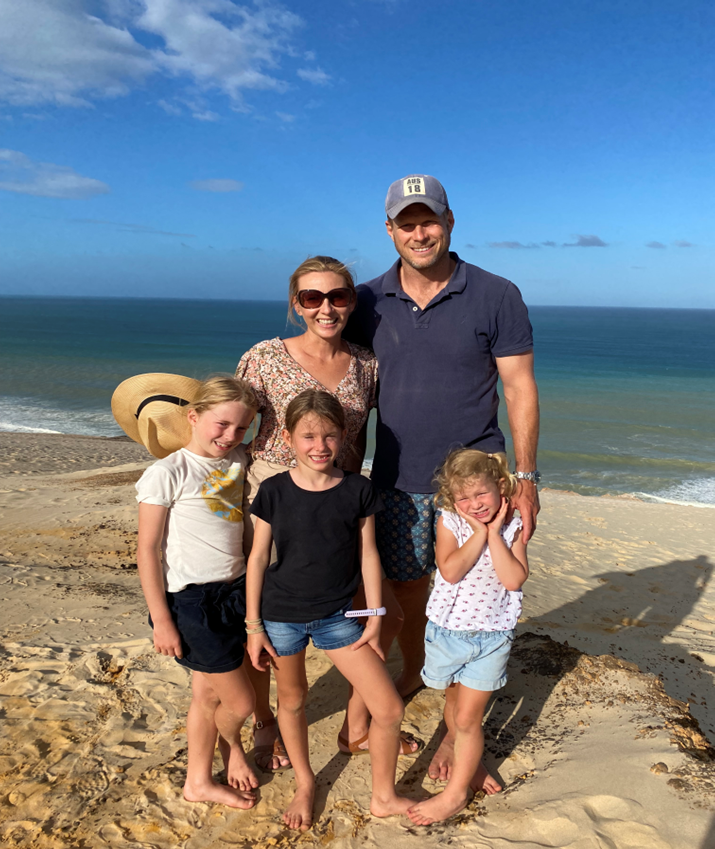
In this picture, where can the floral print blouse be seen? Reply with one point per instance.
(277, 378)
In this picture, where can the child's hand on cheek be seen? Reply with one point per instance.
(473, 523)
(496, 523)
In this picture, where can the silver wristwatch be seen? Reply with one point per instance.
(534, 476)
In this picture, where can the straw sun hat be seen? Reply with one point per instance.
(151, 409)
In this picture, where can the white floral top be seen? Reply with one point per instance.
(479, 602)
(277, 378)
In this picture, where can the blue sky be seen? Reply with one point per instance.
(204, 148)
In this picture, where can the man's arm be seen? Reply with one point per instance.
(522, 405)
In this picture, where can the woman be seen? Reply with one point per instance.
(322, 294)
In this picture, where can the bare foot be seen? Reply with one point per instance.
(212, 791)
(299, 814)
(436, 809)
(440, 767)
(392, 807)
(238, 773)
(483, 780)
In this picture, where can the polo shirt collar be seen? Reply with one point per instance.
(457, 282)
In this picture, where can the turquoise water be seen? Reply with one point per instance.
(627, 395)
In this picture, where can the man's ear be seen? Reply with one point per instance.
(389, 225)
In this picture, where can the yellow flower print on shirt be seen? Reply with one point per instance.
(223, 494)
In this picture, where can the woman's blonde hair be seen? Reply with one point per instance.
(220, 389)
(318, 403)
(466, 463)
(319, 265)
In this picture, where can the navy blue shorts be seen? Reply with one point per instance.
(211, 620)
(405, 534)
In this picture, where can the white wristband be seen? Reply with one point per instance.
(372, 611)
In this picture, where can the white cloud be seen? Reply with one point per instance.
(169, 108)
(60, 52)
(218, 44)
(216, 185)
(314, 75)
(53, 51)
(285, 117)
(18, 173)
(206, 115)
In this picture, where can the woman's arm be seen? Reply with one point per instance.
(372, 581)
(510, 564)
(453, 560)
(354, 458)
(258, 562)
(152, 519)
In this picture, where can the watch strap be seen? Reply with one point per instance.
(371, 611)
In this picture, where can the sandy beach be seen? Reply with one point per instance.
(602, 737)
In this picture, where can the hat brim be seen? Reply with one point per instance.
(396, 209)
(151, 409)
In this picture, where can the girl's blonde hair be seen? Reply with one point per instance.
(318, 403)
(466, 463)
(220, 389)
(320, 265)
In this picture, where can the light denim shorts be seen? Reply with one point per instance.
(476, 659)
(333, 632)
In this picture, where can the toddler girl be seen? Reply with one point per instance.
(472, 611)
(192, 570)
(321, 519)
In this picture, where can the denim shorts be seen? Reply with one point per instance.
(333, 632)
(211, 621)
(476, 659)
(405, 534)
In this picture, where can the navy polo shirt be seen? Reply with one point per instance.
(437, 370)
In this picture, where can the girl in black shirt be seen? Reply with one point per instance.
(322, 522)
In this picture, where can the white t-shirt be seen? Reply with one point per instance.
(203, 535)
(479, 602)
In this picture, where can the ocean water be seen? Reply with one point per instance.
(627, 395)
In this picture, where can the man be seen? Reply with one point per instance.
(443, 331)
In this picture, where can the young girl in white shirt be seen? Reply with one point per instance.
(472, 611)
(192, 568)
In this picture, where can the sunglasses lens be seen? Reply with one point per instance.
(312, 299)
(340, 297)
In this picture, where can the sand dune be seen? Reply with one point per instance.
(608, 748)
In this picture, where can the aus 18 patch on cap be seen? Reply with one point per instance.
(416, 188)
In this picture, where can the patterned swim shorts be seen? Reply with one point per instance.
(405, 533)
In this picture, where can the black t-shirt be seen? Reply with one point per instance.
(316, 536)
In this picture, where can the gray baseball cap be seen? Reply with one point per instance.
(416, 188)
